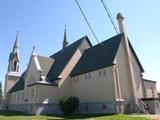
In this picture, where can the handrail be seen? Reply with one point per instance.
(143, 106)
(142, 102)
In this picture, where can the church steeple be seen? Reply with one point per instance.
(65, 42)
(13, 67)
(14, 57)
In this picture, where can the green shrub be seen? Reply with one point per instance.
(68, 105)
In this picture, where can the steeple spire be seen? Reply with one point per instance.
(65, 42)
(16, 47)
(14, 57)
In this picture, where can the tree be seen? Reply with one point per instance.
(68, 105)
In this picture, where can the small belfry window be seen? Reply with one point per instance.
(15, 65)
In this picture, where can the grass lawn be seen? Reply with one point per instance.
(12, 115)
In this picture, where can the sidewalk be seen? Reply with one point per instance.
(153, 117)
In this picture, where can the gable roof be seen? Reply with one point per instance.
(62, 58)
(98, 56)
(101, 55)
(19, 85)
(45, 64)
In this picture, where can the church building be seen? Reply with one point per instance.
(106, 78)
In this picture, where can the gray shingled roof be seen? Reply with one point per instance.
(45, 64)
(19, 85)
(62, 58)
(100, 56)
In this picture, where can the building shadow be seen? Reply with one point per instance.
(78, 116)
(13, 113)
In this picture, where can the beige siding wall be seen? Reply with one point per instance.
(94, 88)
(52, 94)
(121, 61)
(123, 69)
(150, 90)
(138, 83)
(31, 94)
(17, 97)
(47, 94)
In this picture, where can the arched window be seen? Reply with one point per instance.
(15, 65)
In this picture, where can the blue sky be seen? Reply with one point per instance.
(41, 23)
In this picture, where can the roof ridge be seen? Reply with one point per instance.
(70, 45)
(107, 40)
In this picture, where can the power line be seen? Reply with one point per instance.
(109, 14)
(102, 47)
(87, 21)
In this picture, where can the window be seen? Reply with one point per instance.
(152, 89)
(104, 107)
(15, 97)
(86, 107)
(101, 73)
(157, 104)
(104, 72)
(87, 76)
(15, 65)
(77, 79)
(18, 96)
(22, 97)
(32, 92)
(11, 97)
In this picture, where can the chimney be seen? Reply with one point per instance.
(120, 19)
(33, 51)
